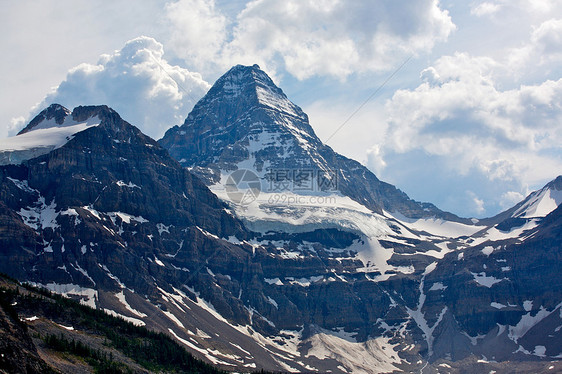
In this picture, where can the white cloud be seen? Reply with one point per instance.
(137, 82)
(543, 50)
(16, 124)
(547, 39)
(485, 9)
(329, 37)
(198, 31)
(375, 159)
(477, 204)
(510, 198)
(528, 7)
(460, 115)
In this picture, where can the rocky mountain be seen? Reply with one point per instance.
(294, 259)
(246, 121)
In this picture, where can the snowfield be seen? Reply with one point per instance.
(42, 139)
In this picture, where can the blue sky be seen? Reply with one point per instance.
(472, 122)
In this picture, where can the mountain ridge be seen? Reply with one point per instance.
(241, 123)
(109, 218)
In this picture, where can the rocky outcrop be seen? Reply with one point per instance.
(110, 196)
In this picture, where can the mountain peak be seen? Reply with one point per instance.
(243, 107)
(52, 128)
(246, 122)
(251, 84)
(540, 203)
(53, 115)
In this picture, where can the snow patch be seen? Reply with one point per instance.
(272, 302)
(134, 321)
(438, 286)
(437, 226)
(275, 281)
(373, 356)
(41, 215)
(486, 281)
(88, 296)
(487, 250)
(527, 322)
(497, 305)
(162, 228)
(174, 319)
(121, 297)
(540, 204)
(127, 218)
(129, 185)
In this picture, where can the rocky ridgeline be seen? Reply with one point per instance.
(111, 218)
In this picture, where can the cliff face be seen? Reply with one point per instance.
(41, 332)
(110, 196)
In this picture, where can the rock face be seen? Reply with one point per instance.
(102, 210)
(505, 294)
(245, 120)
(341, 285)
(17, 351)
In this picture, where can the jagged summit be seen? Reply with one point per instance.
(57, 116)
(255, 85)
(49, 130)
(246, 121)
(243, 88)
(537, 205)
(244, 116)
(52, 116)
(540, 203)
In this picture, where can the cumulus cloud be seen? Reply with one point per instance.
(198, 31)
(460, 115)
(543, 51)
(137, 82)
(375, 159)
(510, 198)
(477, 204)
(329, 37)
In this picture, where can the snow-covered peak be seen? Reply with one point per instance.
(244, 116)
(540, 203)
(254, 82)
(53, 116)
(49, 130)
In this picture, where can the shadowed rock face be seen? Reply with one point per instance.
(17, 351)
(99, 211)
